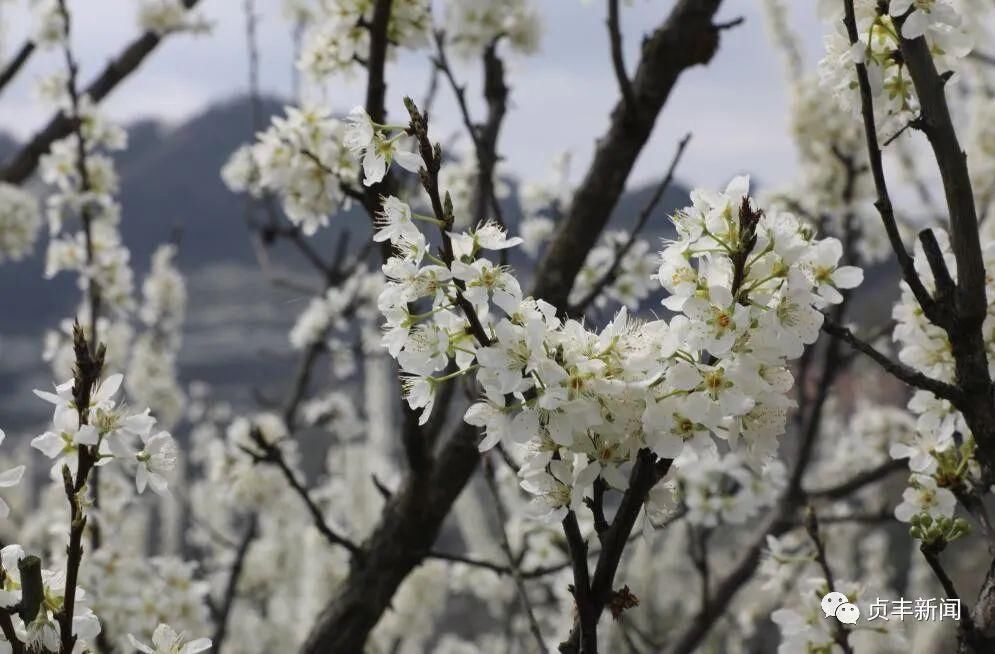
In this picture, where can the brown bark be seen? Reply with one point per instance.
(406, 532)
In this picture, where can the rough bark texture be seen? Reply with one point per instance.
(408, 527)
(413, 516)
(685, 39)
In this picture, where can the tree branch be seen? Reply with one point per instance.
(271, 453)
(89, 366)
(408, 527)
(969, 637)
(19, 167)
(516, 573)
(412, 517)
(618, 57)
(231, 588)
(840, 634)
(685, 39)
(644, 215)
(899, 370)
(858, 481)
(15, 64)
(952, 162)
(646, 473)
(883, 202)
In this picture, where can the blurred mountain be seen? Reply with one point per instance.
(237, 323)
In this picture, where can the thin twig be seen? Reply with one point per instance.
(15, 64)
(644, 215)
(516, 573)
(231, 588)
(840, 634)
(883, 202)
(618, 59)
(901, 371)
(271, 453)
(858, 481)
(432, 157)
(967, 630)
(89, 366)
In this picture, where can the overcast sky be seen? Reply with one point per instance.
(560, 98)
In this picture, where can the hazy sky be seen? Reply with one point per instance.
(560, 98)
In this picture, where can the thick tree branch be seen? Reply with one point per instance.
(584, 637)
(963, 317)
(403, 538)
(646, 473)
(936, 123)
(687, 38)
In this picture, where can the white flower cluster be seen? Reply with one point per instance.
(42, 634)
(473, 25)
(165, 640)
(725, 490)
(73, 195)
(20, 221)
(632, 280)
(333, 314)
(542, 201)
(132, 592)
(166, 16)
(152, 371)
(110, 427)
(48, 26)
(460, 179)
(747, 287)
(301, 159)
(880, 33)
(337, 38)
(931, 451)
